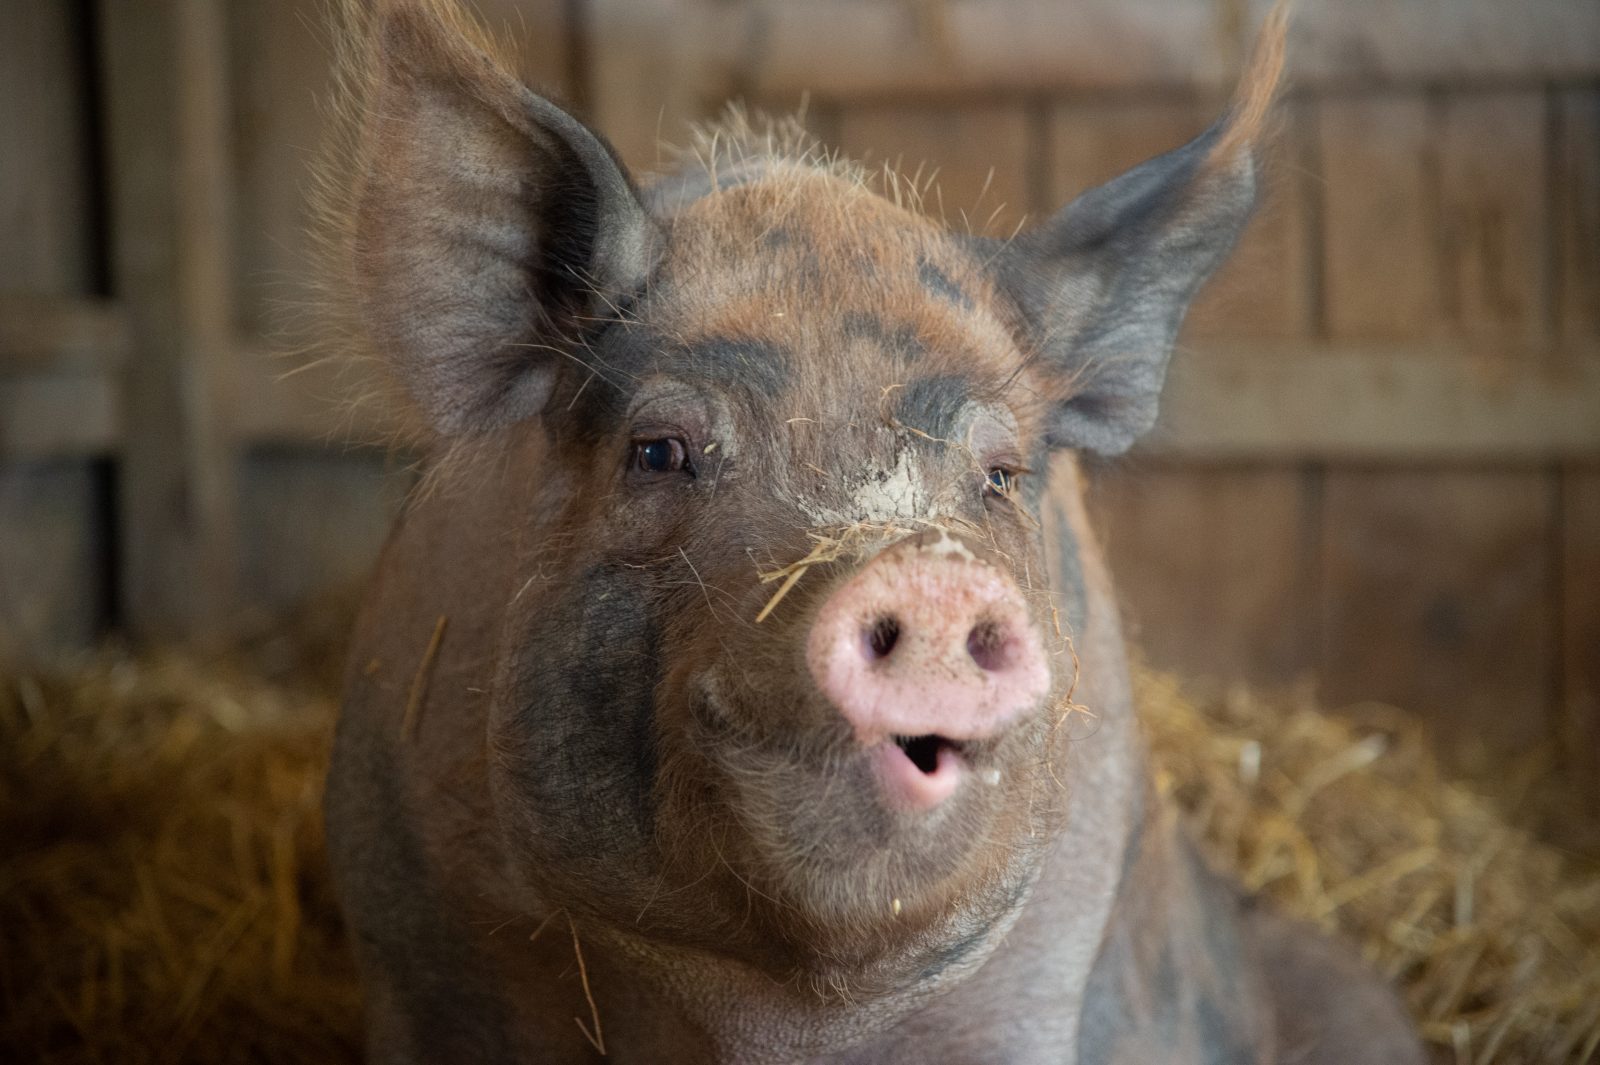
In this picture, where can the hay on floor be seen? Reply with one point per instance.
(163, 896)
(1493, 936)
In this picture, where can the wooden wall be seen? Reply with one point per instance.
(1380, 459)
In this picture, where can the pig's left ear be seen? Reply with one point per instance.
(486, 225)
(1102, 287)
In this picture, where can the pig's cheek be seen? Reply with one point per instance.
(641, 521)
(574, 726)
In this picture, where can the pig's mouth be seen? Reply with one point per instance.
(918, 773)
(924, 750)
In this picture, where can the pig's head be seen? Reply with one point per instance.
(779, 676)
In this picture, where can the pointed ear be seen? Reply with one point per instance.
(1103, 286)
(486, 222)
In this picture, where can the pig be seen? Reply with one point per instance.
(743, 683)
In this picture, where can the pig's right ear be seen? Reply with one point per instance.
(487, 223)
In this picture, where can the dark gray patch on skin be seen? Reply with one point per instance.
(1103, 1018)
(963, 947)
(599, 378)
(1164, 989)
(804, 274)
(953, 954)
(600, 381)
(1222, 1008)
(1223, 904)
(1221, 1040)
(777, 237)
(755, 365)
(900, 341)
(939, 283)
(933, 404)
(1135, 845)
(581, 765)
(400, 918)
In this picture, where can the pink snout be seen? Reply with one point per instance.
(928, 646)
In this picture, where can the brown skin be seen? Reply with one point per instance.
(606, 778)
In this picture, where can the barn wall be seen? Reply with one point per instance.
(53, 508)
(1381, 458)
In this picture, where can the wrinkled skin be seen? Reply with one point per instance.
(580, 795)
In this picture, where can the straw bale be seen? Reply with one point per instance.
(163, 896)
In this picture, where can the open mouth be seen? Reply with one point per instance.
(923, 751)
(918, 773)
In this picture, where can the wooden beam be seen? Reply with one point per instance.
(72, 415)
(166, 114)
(54, 334)
(897, 50)
(47, 223)
(1429, 404)
(1254, 404)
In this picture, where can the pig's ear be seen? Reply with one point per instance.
(486, 223)
(1103, 286)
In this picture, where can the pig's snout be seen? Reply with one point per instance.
(928, 646)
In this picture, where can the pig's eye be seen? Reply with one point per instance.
(1000, 482)
(666, 455)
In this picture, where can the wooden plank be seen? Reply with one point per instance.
(1214, 566)
(1576, 213)
(59, 415)
(1579, 725)
(1267, 288)
(1492, 204)
(1092, 141)
(53, 544)
(1437, 589)
(980, 158)
(1445, 401)
(46, 199)
(166, 105)
(1365, 43)
(540, 35)
(653, 70)
(314, 521)
(282, 67)
(884, 48)
(1380, 262)
(324, 403)
(50, 334)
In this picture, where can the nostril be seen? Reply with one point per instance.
(987, 646)
(881, 637)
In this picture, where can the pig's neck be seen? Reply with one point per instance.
(1022, 1006)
